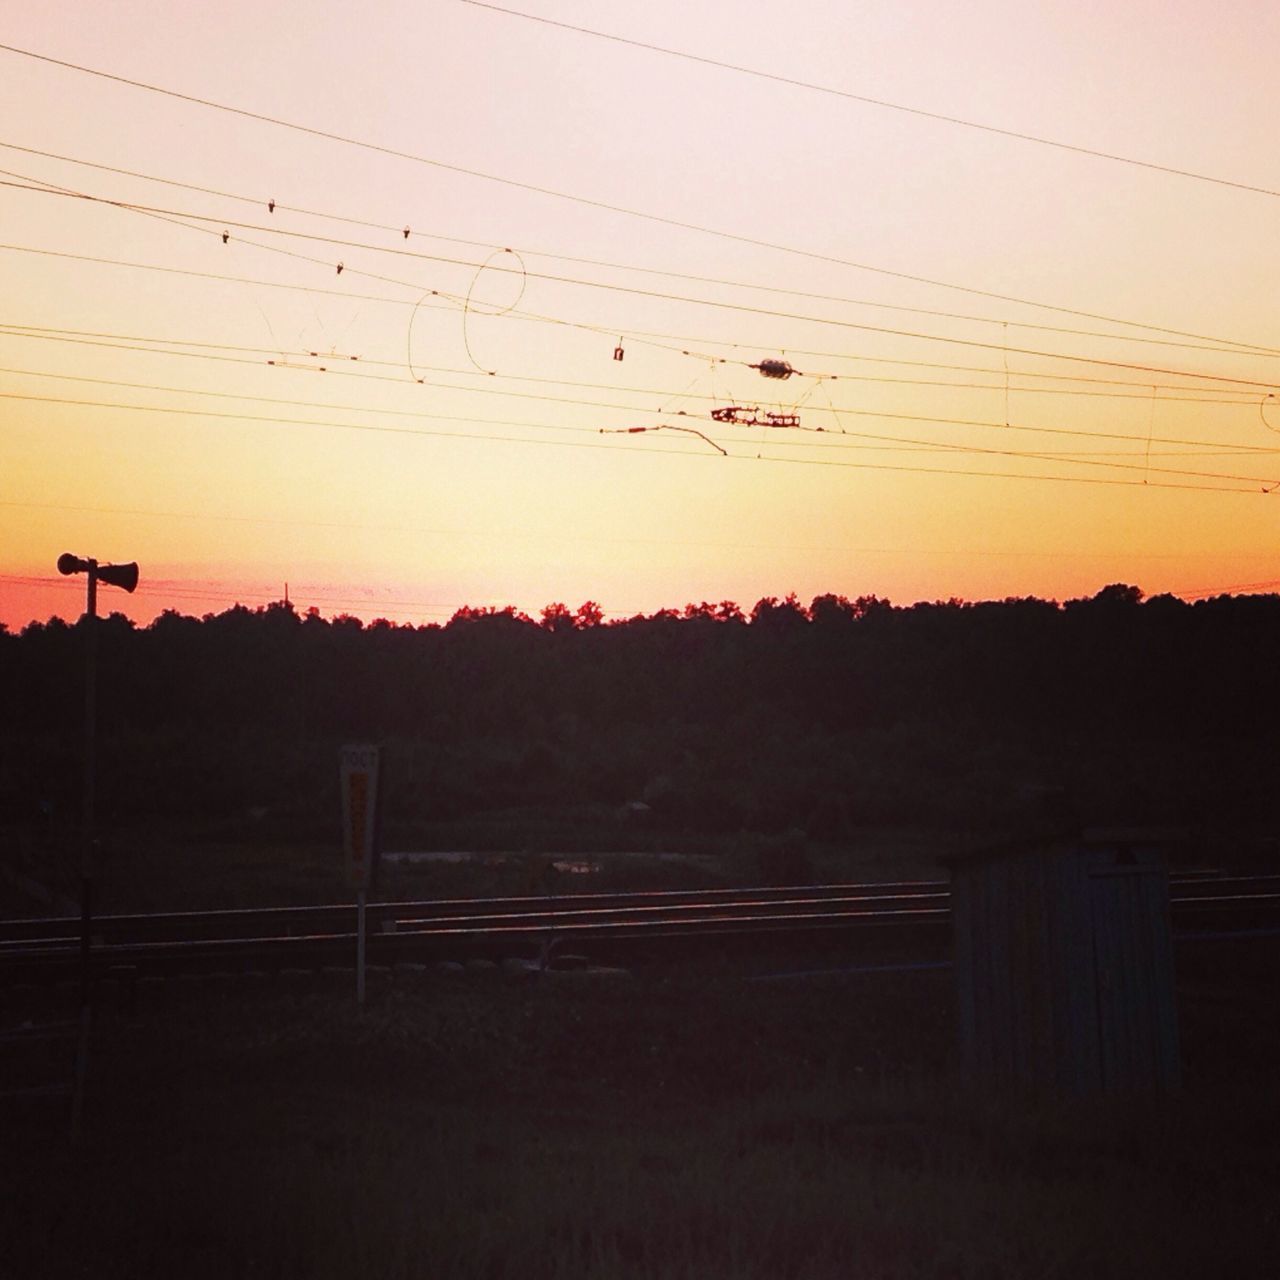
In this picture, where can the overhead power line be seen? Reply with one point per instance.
(833, 435)
(1208, 593)
(534, 188)
(833, 438)
(867, 100)
(1003, 348)
(172, 215)
(176, 221)
(1159, 371)
(1181, 394)
(404, 232)
(416, 608)
(1074, 458)
(1175, 395)
(222, 277)
(808, 548)
(1233, 483)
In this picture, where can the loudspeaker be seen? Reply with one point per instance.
(119, 575)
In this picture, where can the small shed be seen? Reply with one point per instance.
(1064, 964)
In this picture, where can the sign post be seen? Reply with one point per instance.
(358, 777)
(360, 946)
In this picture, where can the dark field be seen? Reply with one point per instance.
(665, 1124)
(680, 1121)
(147, 867)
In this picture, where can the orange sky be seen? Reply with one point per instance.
(160, 403)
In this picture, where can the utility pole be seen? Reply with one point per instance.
(118, 575)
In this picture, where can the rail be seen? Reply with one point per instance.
(171, 942)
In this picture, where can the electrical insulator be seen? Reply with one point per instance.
(775, 368)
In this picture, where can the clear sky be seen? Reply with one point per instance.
(160, 402)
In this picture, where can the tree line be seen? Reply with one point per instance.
(821, 715)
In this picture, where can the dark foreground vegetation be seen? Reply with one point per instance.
(672, 731)
(686, 1124)
(681, 1123)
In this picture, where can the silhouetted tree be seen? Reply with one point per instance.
(558, 618)
(851, 706)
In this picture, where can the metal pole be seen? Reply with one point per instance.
(90, 777)
(86, 847)
(360, 895)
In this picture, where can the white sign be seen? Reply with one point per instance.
(358, 774)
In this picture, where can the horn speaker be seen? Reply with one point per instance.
(119, 575)
(68, 564)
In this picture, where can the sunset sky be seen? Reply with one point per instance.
(1104, 418)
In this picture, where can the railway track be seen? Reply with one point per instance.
(911, 914)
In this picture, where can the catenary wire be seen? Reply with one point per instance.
(237, 597)
(920, 112)
(1248, 587)
(601, 329)
(1229, 343)
(1004, 553)
(1255, 481)
(588, 202)
(176, 216)
(51, 334)
(639, 336)
(928, 419)
(1145, 385)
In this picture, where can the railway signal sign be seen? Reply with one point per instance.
(358, 774)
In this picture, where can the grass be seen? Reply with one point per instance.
(175, 867)
(154, 867)
(666, 1125)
